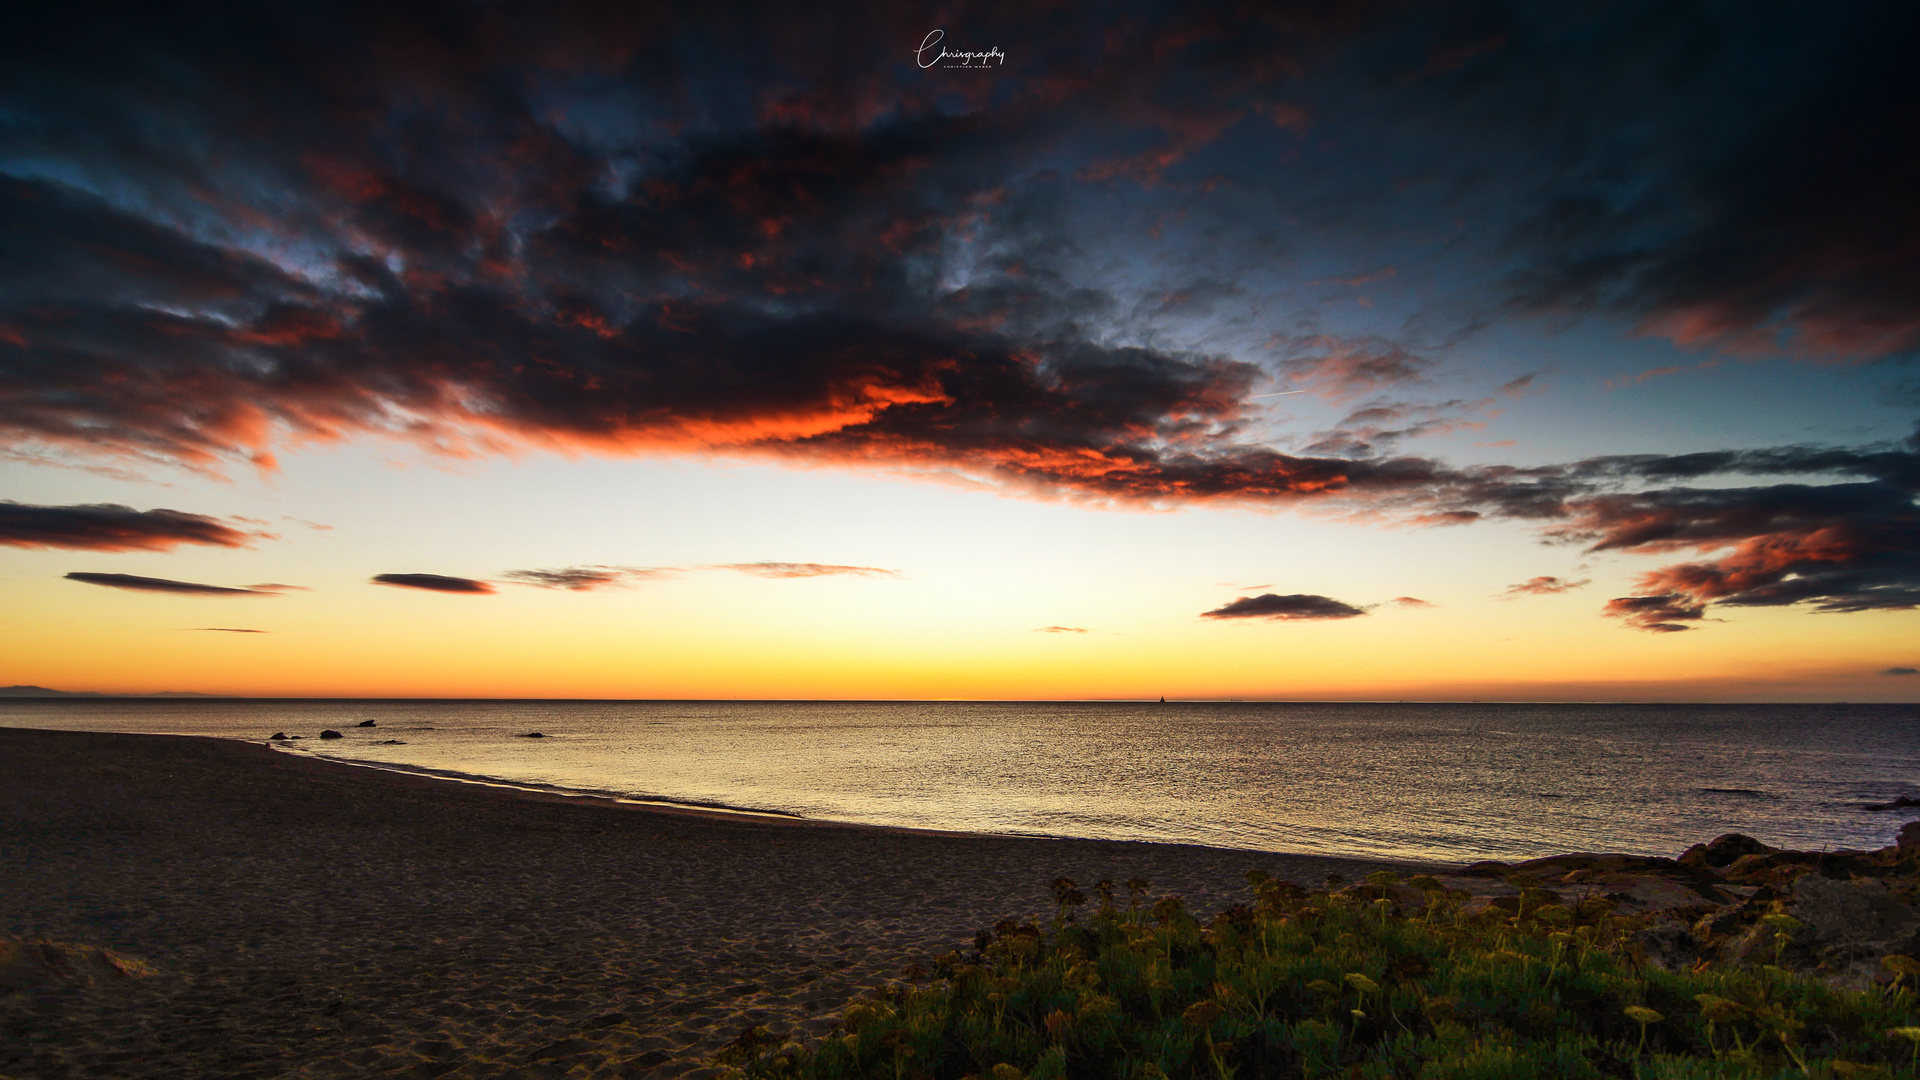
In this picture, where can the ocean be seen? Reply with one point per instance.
(1439, 782)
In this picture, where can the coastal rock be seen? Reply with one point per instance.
(1723, 851)
(278, 736)
(1909, 841)
(1901, 803)
(533, 735)
(1667, 944)
(331, 734)
(1489, 868)
(1846, 928)
(1781, 867)
(1848, 917)
(366, 723)
(390, 742)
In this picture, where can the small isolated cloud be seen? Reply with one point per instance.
(274, 586)
(1059, 630)
(227, 630)
(154, 584)
(1412, 602)
(1901, 671)
(1541, 586)
(112, 527)
(584, 578)
(1663, 614)
(805, 570)
(433, 583)
(1294, 606)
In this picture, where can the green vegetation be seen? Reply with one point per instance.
(1385, 979)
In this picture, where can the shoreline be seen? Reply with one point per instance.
(309, 917)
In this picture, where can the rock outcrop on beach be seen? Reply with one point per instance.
(331, 734)
(1833, 914)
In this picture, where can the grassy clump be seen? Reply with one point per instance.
(1380, 980)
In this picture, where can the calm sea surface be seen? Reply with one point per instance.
(1443, 782)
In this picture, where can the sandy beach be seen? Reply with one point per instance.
(281, 916)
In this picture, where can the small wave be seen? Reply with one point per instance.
(551, 789)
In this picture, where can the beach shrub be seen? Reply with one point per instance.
(1378, 980)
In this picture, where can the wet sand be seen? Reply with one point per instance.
(304, 918)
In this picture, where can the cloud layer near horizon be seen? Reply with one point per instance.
(136, 583)
(112, 527)
(433, 583)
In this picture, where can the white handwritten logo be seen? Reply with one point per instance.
(947, 59)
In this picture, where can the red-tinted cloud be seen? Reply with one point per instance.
(1540, 586)
(112, 527)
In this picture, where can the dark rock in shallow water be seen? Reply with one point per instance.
(389, 742)
(533, 735)
(278, 736)
(1901, 803)
(331, 734)
(366, 723)
(1909, 841)
(1724, 850)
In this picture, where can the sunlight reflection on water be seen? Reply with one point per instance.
(1443, 782)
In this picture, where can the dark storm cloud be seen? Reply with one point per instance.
(1901, 671)
(1292, 607)
(1852, 546)
(433, 583)
(150, 584)
(1745, 188)
(616, 231)
(112, 527)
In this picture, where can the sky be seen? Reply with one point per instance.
(1347, 350)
